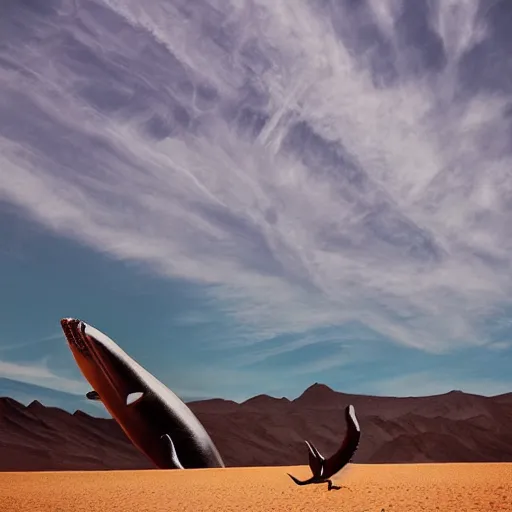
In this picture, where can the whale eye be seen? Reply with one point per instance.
(134, 397)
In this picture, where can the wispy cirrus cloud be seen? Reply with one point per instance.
(5, 347)
(314, 164)
(433, 383)
(40, 374)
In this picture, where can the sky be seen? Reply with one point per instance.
(253, 196)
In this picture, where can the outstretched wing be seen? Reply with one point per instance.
(347, 449)
(316, 460)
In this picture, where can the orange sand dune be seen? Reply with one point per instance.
(394, 488)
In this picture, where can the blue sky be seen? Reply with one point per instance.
(253, 197)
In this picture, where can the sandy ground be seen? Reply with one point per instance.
(392, 488)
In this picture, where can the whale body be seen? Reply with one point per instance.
(155, 420)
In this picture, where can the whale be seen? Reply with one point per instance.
(153, 418)
(323, 469)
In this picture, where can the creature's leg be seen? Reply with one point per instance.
(303, 482)
(331, 486)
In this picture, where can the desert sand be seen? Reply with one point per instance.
(392, 488)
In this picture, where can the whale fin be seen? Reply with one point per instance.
(93, 395)
(316, 459)
(175, 462)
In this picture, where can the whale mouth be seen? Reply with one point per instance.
(74, 332)
(89, 344)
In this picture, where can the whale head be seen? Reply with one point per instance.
(114, 375)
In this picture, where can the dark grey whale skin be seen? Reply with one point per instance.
(155, 420)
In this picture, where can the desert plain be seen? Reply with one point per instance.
(364, 488)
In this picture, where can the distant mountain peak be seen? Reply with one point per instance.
(269, 431)
(263, 400)
(81, 414)
(318, 385)
(8, 402)
(26, 393)
(318, 394)
(35, 404)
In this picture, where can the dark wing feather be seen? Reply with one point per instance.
(316, 459)
(347, 449)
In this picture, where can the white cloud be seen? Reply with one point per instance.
(501, 345)
(436, 383)
(394, 214)
(4, 347)
(40, 374)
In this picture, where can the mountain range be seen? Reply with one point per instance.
(267, 431)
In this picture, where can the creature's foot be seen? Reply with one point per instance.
(301, 482)
(331, 486)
